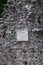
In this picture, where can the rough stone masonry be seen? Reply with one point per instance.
(20, 15)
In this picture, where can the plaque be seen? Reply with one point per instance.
(22, 35)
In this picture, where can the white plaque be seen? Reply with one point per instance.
(22, 35)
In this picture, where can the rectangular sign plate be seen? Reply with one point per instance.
(22, 35)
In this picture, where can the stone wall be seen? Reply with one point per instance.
(20, 14)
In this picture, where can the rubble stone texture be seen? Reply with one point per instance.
(20, 14)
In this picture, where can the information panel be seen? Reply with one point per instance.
(22, 35)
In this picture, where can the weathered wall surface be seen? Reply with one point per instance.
(20, 14)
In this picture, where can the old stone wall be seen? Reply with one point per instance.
(22, 14)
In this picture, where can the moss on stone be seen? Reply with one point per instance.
(2, 2)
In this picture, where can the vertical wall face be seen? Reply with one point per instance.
(21, 15)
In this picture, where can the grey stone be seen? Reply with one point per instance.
(21, 14)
